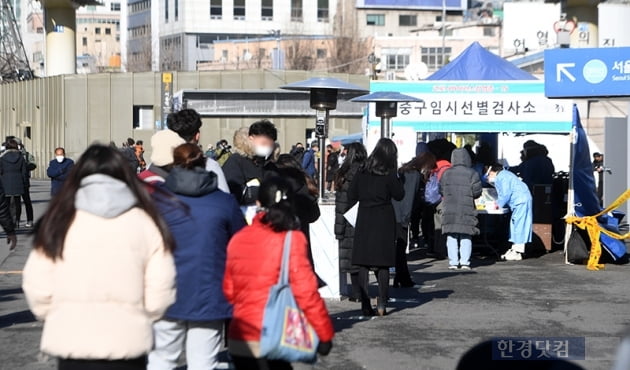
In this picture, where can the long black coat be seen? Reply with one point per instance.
(460, 186)
(344, 232)
(375, 234)
(13, 173)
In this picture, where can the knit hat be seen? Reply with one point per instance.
(162, 145)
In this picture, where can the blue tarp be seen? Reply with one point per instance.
(477, 63)
(584, 190)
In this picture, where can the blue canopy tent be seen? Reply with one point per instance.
(348, 139)
(477, 63)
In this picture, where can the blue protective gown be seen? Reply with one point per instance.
(514, 193)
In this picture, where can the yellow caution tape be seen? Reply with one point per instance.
(590, 224)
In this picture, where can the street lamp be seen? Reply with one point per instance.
(323, 91)
(386, 107)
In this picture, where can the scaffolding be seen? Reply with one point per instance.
(14, 64)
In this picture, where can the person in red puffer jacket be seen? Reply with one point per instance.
(252, 268)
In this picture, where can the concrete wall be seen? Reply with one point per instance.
(76, 110)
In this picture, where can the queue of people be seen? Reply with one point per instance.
(208, 238)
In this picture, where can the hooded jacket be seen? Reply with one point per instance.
(460, 186)
(13, 172)
(202, 224)
(242, 167)
(115, 278)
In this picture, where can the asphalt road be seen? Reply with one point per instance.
(427, 328)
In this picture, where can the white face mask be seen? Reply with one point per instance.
(60, 158)
(263, 151)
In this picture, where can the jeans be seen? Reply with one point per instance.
(203, 341)
(459, 248)
(28, 204)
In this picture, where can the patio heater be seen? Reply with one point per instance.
(323, 91)
(386, 107)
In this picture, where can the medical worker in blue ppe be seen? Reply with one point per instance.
(514, 193)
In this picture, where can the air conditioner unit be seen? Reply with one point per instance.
(268, 19)
(239, 18)
(216, 17)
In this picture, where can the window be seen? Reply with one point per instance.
(396, 59)
(266, 10)
(97, 30)
(322, 10)
(114, 7)
(407, 20)
(489, 31)
(216, 9)
(296, 11)
(84, 41)
(176, 9)
(166, 11)
(376, 19)
(321, 53)
(239, 10)
(108, 31)
(40, 29)
(224, 55)
(432, 57)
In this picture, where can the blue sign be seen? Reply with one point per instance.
(588, 72)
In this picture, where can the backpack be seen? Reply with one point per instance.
(30, 161)
(432, 190)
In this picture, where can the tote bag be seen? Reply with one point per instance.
(286, 334)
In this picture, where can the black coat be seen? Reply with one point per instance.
(13, 173)
(344, 232)
(239, 170)
(376, 229)
(460, 186)
(306, 206)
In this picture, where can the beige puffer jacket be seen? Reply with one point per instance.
(100, 300)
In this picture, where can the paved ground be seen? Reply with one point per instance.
(428, 327)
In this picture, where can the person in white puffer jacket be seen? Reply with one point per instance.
(101, 271)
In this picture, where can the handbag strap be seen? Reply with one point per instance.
(284, 265)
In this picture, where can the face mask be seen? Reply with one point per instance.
(60, 158)
(263, 151)
(492, 180)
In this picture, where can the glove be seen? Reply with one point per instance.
(324, 348)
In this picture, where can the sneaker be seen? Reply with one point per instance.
(514, 256)
(453, 267)
(465, 268)
(28, 224)
(506, 255)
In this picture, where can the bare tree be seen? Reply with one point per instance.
(139, 59)
(349, 50)
(299, 54)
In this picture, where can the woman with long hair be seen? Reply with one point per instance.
(202, 227)
(305, 191)
(101, 270)
(375, 232)
(253, 266)
(356, 155)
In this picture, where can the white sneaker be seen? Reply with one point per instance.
(465, 268)
(453, 267)
(514, 256)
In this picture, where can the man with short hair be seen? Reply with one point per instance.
(129, 152)
(187, 124)
(250, 163)
(58, 170)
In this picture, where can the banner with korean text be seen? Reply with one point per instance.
(476, 107)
